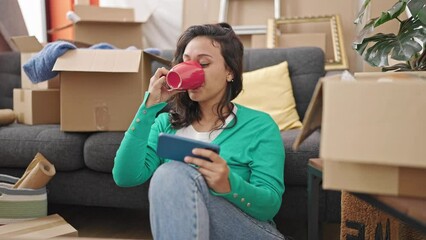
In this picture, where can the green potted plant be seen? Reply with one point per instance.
(407, 46)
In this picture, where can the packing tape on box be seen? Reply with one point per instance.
(37, 174)
(22, 96)
(102, 117)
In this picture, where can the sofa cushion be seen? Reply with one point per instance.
(20, 143)
(305, 64)
(100, 149)
(269, 90)
(10, 77)
(296, 162)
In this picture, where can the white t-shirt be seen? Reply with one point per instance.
(190, 132)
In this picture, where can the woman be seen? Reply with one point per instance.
(237, 193)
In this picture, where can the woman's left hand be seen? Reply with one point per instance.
(215, 172)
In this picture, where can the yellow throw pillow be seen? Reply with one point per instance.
(269, 90)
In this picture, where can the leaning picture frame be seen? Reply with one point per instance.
(339, 61)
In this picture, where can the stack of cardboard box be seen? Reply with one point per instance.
(100, 89)
(373, 133)
(35, 103)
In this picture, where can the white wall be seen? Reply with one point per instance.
(163, 19)
(34, 15)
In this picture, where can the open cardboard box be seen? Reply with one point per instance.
(372, 132)
(116, 26)
(101, 90)
(30, 46)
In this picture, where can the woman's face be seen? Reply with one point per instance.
(208, 54)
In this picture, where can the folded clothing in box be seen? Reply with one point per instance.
(17, 204)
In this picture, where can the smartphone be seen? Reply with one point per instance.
(177, 148)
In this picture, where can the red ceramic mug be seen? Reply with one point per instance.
(185, 75)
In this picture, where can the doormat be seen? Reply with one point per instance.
(362, 221)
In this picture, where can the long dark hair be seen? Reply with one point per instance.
(184, 111)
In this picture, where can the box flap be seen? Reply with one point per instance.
(313, 115)
(104, 14)
(91, 60)
(27, 43)
(148, 58)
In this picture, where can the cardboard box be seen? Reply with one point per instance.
(36, 106)
(196, 12)
(371, 128)
(101, 90)
(375, 122)
(111, 25)
(39, 228)
(370, 131)
(389, 76)
(374, 178)
(30, 46)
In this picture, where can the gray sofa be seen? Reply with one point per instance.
(84, 160)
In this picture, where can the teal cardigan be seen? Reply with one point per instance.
(253, 149)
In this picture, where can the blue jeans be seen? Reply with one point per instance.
(182, 208)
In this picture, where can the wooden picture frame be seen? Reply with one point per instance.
(247, 29)
(339, 60)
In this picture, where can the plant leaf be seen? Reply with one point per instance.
(410, 41)
(392, 13)
(361, 12)
(415, 6)
(403, 53)
(422, 15)
(377, 55)
(365, 31)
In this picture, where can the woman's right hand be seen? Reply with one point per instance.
(158, 91)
